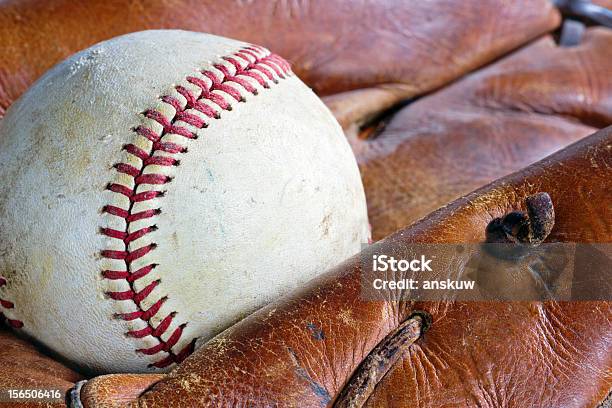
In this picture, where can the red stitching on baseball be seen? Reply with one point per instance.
(207, 94)
(169, 147)
(251, 62)
(127, 169)
(161, 161)
(193, 103)
(136, 151)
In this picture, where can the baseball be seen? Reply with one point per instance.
(161, 186)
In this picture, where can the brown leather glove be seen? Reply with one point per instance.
(303, 349)
(494, 121)
(338, 56)
(334, 46)
(23, 367)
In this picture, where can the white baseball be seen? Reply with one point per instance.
(160, 186)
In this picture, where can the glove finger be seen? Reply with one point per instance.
(114, 390)
(489, 124)
(515, 353)
(333, 45)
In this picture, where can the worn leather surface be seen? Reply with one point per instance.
(333, 45)
(301, 350)
(374, 84)
(494, 121)
(116, 389)
(23, 366)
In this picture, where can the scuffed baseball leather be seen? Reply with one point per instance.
(301, 350)
(333, 46)
(22, 366)
(494, 121)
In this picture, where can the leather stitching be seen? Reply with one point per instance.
(249, 63)
(252, 62)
